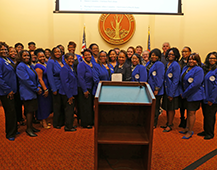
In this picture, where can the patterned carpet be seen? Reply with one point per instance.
(56, 149)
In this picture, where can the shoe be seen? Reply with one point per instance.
(11, 139)
(31, 134)
(164, 126)
(57, 127)
(202, 133)
(189, 136)
(35, 121)
(88, 127)
(45, 125)
(183, 132)
(169, 126)
(35, 130)
(70, 130)
(183, 123)
(207, 137)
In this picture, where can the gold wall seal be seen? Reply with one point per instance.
(116, 28)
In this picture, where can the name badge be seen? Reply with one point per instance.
(154, 73)
(137, 76)
(212, 78)
(170, 75)
(190, 80)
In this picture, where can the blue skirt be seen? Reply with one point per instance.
(45, 106)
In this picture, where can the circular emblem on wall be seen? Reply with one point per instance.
(116, 28)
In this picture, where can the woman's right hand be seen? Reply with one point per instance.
(86, 94)
(55, 93)
(46, 93)
(10, 95)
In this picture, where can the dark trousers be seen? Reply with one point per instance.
(85, 107)
(58, 117)
(157, 108)
(209, 113)
(10, 116)
(69, 112)
(18, 107)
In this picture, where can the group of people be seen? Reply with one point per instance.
(47, 81)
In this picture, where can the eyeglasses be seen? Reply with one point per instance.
(3, 50)
(134, 59)
(212, 58)
(185, 51)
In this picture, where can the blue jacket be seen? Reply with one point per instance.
(93, 60)
(69, 86)
(156, 76)
(28, 82)
(210, 87)
(85, 76)
(171, 79)
(8, 79)
(192, 83)
(139, 74)
(53, 74)
(101, 73)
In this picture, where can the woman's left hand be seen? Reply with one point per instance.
(170, 98)
(70, 100)
(155, 92)
(39, 91)
(209, 103)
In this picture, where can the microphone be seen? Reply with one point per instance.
(136, 78)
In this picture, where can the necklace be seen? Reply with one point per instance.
(7, 60)
(90, 64)
(45, 65)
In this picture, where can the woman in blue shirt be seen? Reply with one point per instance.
(68, 91)
(139, 72)
(29, 88)
(54, 66)
(171, 86)
(8, 87)
(155, 71)
(209, 105)
(45, 99)
(192, 91)
(102, 70)
(85, 87)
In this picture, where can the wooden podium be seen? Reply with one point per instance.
(124, 118)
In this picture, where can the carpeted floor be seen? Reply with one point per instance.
(56, 149)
